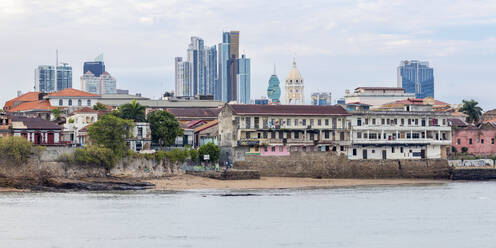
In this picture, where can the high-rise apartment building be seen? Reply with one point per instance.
(210, 70)
(416, 77)
(233, 64)
(183, 77)
(104, 84)
(243, 80)
(223, 76)
(196, 56)
(44, 78)
(64, 76)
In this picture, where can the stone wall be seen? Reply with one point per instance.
(331, 165)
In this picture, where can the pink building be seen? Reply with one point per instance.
(480, 140)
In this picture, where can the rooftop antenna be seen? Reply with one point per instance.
(56, 57)
(274, 68)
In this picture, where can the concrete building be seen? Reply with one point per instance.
(416, 77)
(210, 70)
(75, 122)
(243, 80)
(72, 98)
(223, 88)
(376, 96)
(414, 132)
(294, 90)
(44, 78)
(142, 137)
(207, 133)
(36, 130)
(233, 65)
(64, 76)
(478, 140)
(5, 125)
(183, 77)
(196, 56)
(321, 98)
(264, 130)
(103, 84)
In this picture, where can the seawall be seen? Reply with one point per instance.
(331, 165)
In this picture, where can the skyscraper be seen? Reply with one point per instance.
(64, 76)
(96, 79)
(223, 76)
(416, 77)
(44, 78)
(196, 56)
(210, 70)
(274, 91)
(96, 67)
(243, 80)
(233, 64)
(183, 77)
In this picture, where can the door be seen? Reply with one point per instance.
(422, 153)
(384, 154)
(364, 153)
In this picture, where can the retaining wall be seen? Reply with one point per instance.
(331, 165)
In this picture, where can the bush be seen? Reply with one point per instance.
(210, 149)
(464, 149)
(92, 155)
(15, 149)
(193, 154)
(176, 155)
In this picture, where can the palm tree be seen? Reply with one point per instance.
(471, 109)
(133, 111)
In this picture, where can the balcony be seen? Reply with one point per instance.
(401, 141)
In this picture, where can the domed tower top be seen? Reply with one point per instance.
(294, 90)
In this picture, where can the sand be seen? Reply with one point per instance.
(188, 182)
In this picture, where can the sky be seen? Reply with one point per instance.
(337, 45)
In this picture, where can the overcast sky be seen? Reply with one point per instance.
(338, 45)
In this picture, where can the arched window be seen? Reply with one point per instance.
(70, 102)
(80, 102)
(89, 103)
(61, 102)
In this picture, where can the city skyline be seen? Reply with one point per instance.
(335, 51)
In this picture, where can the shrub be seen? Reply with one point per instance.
(464, 149)
(210, 149)
(92, 155)
(193, 154)
(16, 149)
(176, 155)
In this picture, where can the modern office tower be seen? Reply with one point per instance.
(274, 91)
(104, 84)
(96, 67)
(64, 76)
(321, 98)
(196, 56)
(233, 63)
(183, 77)
(294, 87)
(223, 76)
(243, 80)
(44, 78)
(416, 77)
(210, 70)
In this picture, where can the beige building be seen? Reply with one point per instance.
(376, 96)
(278, 130)
(294, 90)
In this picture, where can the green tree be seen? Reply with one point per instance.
(471, 109)
(210, 149)
(111, 132)
(56, 113)
(99, 106)
(132, 111)
(164, 126)
(15, 149)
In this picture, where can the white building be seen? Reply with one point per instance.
(76, 122)
(294, 90)
(72, 98)
(142, 137)
(376, 96)
(104, 84)
(416, 132)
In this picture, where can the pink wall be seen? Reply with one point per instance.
(269, 152)
(477, 135)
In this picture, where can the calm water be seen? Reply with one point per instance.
(450, 215)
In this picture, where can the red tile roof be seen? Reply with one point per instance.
(380, 88)
(419, 101)
(27, 97)
(206, 125)
(85, 110)
(258, 109)
(72, 92)
(35, 105)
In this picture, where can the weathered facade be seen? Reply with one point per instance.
(267, 130)
(36, 130)
(142, 137)
(478, 140)
(5, 124)
(416, 132)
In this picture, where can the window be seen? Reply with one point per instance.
(409, 121)
(319, 122)
(392, 149)
(458, 141)
(416, 135)
(265, 135)
(341, 136)
(492, 141)
(288, 122)
(373, 121)
(80, 102)
(373, 151)
(401, 149)
(296, 122)
(423, 122)
(247, 122)
(297, 134)
(311, 122)
(88, 102)
(265, 149)
(273, 149)
(61, 102)
(326, 134)
(70, 102)
(259, 135)
(257, 122)
(382, 122)
(359, 122)
(341, 148)
(247, 135)
(402, 122)
(470, 141)
(359, 135)
(482, 141)
(327, 122)
(366, 121)
(140, 132)
(416, 122)
(304, 122)
(354, 152)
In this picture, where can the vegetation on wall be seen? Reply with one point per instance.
(17, 150)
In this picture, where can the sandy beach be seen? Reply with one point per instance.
(188, 182)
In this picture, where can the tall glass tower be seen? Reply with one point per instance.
(64, 76)
(243, 80)
(416, 77)
(210, 70)
(44, 78)
(223, 77)
(196, 56)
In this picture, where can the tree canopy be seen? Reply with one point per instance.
(99, 106)
(471, 109)
(164, 126)
(111, 132)
(211, 149)
(132, 111)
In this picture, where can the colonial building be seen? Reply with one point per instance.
(5, 125)
(414, 132)
(376, 96)
(142, 137)
(478, 140)
(262, 130)
(38, 131)
(72, 98)
(207, 133)
(76, 122)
